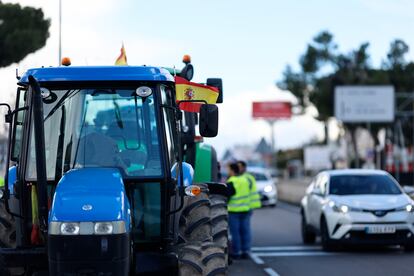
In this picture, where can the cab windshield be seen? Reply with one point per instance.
(99, 128)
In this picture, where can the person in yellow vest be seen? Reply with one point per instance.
(255, 201)
(239, 212)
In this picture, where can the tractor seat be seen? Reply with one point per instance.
(97, 150)
(128, 132)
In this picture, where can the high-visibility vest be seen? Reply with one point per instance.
(254, 194)
(240, 201)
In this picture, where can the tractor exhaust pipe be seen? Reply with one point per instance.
(39, 137)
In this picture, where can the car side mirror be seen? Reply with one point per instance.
(409, 190)
(317, 192)
(208, 125)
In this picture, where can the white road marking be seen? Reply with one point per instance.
(260, 252)
(295, 254)
(286, 248)
(271, 272)
(256, 259)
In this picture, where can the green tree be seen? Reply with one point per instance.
(396, 54)
(23, 30)
(316, 82)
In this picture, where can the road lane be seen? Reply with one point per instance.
(278, 250)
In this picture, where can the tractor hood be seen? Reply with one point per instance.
(90, 194)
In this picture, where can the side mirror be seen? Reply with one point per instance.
(409, 190)
(208, 126)
(187, 72)
(317, 192)
(218, 83)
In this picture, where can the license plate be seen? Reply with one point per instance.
(380, 230)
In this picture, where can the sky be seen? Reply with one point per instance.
(246, 43)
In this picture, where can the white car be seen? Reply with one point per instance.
(265, 185)
(357, 207)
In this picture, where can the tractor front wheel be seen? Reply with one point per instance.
(195, 223)
(219, 221)
(201, 259)
(7, 228)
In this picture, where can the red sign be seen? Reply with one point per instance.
(272, 110)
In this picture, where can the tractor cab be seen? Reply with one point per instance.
(98, 178)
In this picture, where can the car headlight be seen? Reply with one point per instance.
(268, 188)
(87, 228)
(408, 208)
(341, 208)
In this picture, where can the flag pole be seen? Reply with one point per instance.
(60, 32)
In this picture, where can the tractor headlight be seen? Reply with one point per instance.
(87, 228)
(143, 91)
(103, 228)
(69, 228)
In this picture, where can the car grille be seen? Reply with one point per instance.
(379, 213)
(399, 235)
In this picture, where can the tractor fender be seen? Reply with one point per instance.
(12, 178)
(188, 174)
(217, 188)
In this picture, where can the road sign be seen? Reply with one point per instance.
(272, 110)
(355, 104)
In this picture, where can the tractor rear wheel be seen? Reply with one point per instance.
(195, 223)
(201, 259)
(7, 228)
(219, 220)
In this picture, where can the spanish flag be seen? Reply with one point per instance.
(122, 59)
(186, 91)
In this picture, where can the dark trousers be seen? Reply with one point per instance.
(239, 224)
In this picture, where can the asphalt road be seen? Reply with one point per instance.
(278, 250)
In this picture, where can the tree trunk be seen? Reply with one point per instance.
(326, 129)
(355, 147)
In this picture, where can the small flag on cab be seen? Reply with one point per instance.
(122, 59)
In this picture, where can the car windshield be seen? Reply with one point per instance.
(363, 185)
(259, 176)
(99, 128)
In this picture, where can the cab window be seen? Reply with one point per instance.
(169, 123)
(18, 125)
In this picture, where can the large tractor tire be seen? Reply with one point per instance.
(219, 220)
(7, 228)
(201, 259)
(195, 223)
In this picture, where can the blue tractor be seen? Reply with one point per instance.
(97, 184)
